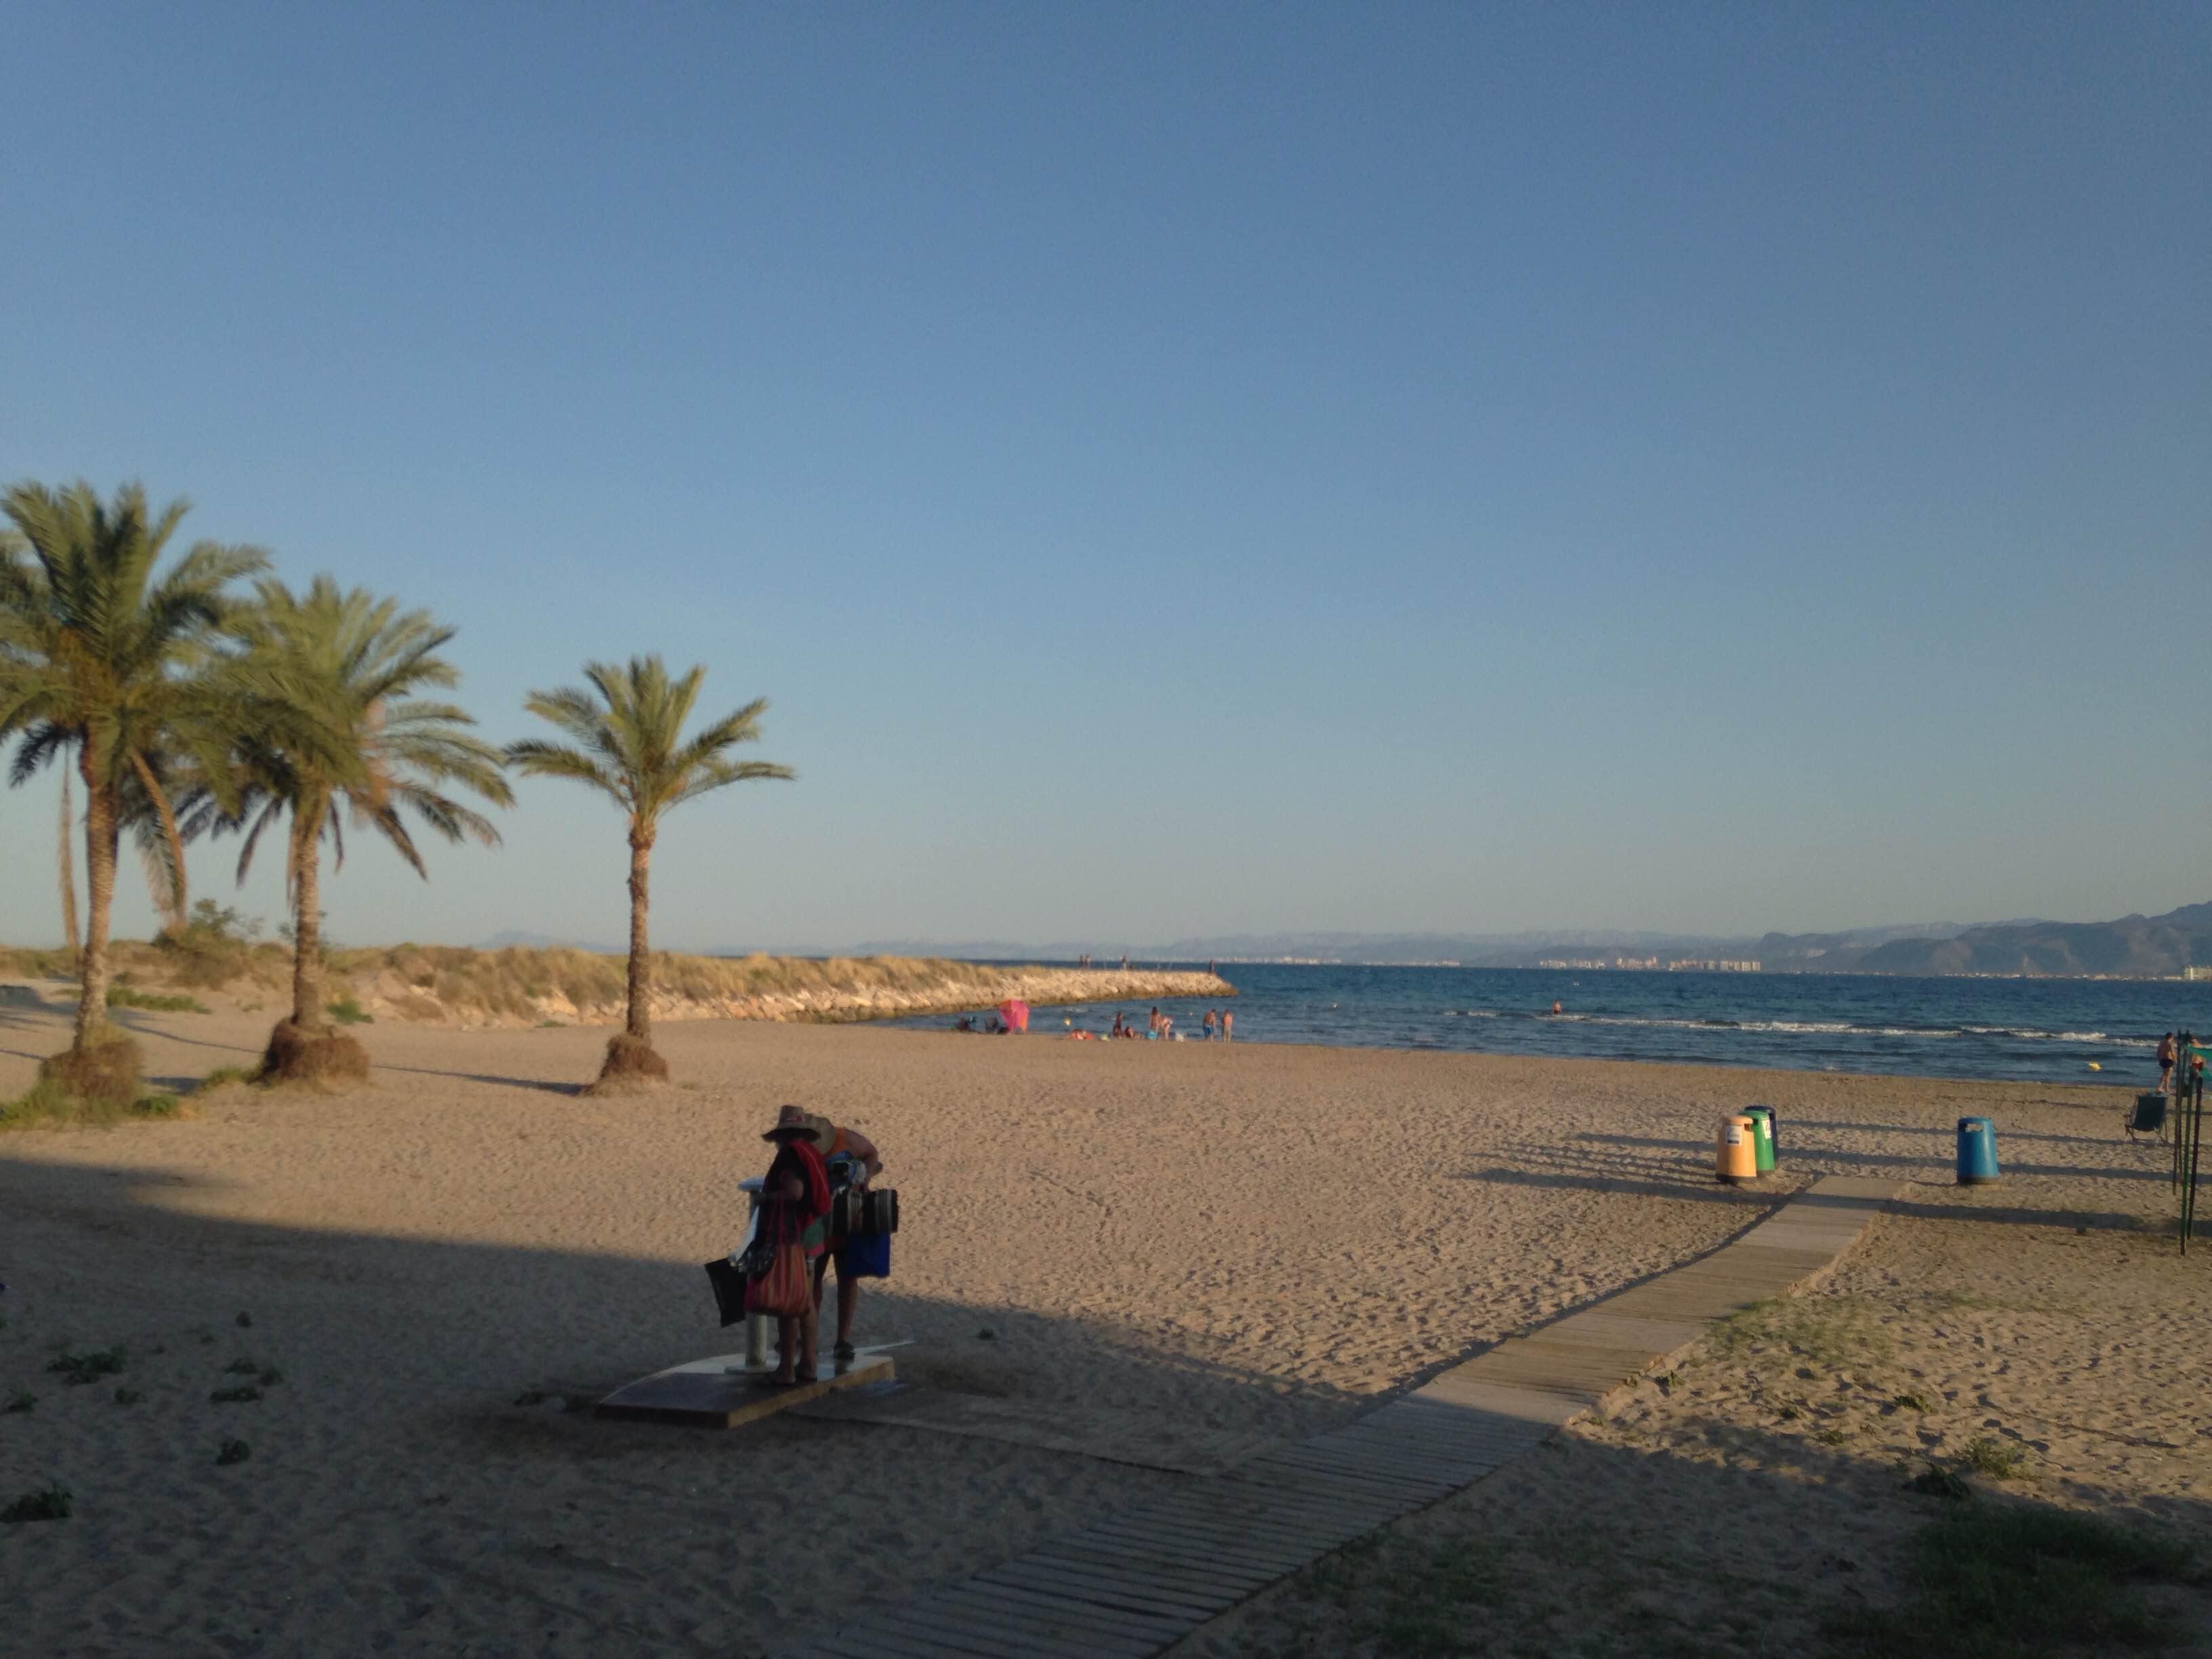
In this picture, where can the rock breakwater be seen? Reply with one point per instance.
(769, 988)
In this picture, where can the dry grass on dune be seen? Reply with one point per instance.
(530, 986)
(517, 980)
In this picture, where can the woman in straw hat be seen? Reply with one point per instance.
(795, 1210)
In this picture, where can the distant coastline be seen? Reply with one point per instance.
(2154, 947)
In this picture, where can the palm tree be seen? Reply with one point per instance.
(101, 660)
(628, 731)
(397, 756)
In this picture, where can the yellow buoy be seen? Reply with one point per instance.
(1736, 1155)
(2094, 1066)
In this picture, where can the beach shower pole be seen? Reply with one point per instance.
(2179, 1086)
(2195, 1119)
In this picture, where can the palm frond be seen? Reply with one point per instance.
(629, 743)
(534, 759)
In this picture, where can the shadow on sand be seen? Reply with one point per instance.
(428, 1466)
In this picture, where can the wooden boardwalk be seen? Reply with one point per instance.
(1112, 1436)
(1132, 1585)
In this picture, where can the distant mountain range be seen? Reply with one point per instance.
(2145, 947)
(1521, 950)
(2135, 947)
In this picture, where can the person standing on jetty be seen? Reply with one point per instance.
(853, 1161)
(795, 1210)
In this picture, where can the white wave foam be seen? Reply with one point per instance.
(1830, 1028)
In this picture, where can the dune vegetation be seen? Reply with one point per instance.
(449, 985)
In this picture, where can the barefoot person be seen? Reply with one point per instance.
(853, 1161)
(795, 1210)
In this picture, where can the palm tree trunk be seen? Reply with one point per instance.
(69, 872)
(100, 829)
(640, 963)
(307, 926)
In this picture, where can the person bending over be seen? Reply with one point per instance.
(852, 1162)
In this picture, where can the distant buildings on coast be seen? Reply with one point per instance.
(1651, 964)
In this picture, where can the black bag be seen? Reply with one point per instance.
(879, 1213)
(845, 1212)
(729, 1283)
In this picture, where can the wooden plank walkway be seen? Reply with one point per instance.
(1109, 1434)
(1132, 1585)
(722, 1392)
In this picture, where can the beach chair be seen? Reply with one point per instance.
(2148, 1116)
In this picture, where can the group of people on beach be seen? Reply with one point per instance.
(815, 1159)
(1157, 1027)
(1160, 1028)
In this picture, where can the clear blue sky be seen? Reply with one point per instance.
(1182, 469)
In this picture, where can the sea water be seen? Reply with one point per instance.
(2016, 1029)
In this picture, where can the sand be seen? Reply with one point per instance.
(448, 1266)
(1741, 1503)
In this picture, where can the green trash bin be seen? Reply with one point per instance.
(1762, 1135)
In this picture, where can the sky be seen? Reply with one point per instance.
(1186, 470)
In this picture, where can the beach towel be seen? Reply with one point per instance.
(799, 1158)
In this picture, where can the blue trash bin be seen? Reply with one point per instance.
(1978, 1150)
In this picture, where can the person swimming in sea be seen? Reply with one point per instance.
(1557, 1007)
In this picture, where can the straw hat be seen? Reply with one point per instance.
(792, 1122)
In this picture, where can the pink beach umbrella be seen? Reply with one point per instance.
(1016, 1013)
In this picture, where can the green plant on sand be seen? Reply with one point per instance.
(105, 662)
(377, 753)
(2010, 1578)
(47, 1104)
(627, 733)
(215, 946)
(51, 1502)
(1833, 1331)
(77, 1370)
(125, 996)
(1986, 1457)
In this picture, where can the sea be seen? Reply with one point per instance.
(2040, 1030)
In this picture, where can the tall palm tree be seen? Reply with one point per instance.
(102, 660)
(628, 729)
(398, 754)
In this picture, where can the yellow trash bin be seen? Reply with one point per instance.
(1737, 1154)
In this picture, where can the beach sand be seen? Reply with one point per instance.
(1216, 1241)
(1741, 1503)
